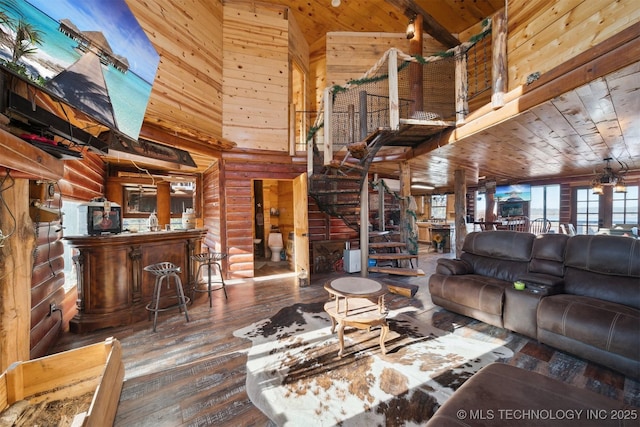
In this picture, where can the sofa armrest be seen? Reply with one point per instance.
(452, 267)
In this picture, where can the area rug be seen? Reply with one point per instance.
(295, 376)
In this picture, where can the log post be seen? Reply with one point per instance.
(460, 207)
(461, 87)
(416, 84)
(394, 100)
(499, 59)
(16, 265)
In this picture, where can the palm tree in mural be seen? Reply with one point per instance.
(20, 36)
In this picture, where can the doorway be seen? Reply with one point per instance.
(272, 227)
(280, 208)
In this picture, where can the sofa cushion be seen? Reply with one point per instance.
(470, 290)
(609, 326)
(547, 254)
(503, 245)
(603, 254)
(604, 267)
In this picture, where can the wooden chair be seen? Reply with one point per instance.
(518, 223)
(540, 226)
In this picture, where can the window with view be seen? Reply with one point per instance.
(587, 211)
(439, 206)
(545, 204)
(625, 207)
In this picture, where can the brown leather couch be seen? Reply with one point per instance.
(582, 295)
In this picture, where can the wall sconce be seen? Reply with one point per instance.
(610, 178)
(411, 28)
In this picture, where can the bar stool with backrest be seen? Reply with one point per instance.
(164, 272)
(208, 260)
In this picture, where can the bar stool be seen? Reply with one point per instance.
(208, 260)
(164, 271)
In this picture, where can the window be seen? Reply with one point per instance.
(70, 222)
(481, 206)
(587, 211)
(545, 203)
(625, 207)
(439, 206)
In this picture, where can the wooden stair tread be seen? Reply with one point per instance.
(332, 192)
(324, 178)
(398, 271)
(379, 245)
(336, 164)
(392, 256)
(403, 289)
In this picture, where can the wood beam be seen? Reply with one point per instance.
(430, 25)
(23, 157)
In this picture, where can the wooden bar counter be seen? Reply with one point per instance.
(113, 289)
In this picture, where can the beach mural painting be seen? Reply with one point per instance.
(91, 53)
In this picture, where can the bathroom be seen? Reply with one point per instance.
(273, 221)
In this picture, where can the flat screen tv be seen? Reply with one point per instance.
(513, 193)
(92, 54)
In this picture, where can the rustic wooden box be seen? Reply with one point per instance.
(73, 373)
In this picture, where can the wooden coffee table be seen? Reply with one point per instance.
(357, 302)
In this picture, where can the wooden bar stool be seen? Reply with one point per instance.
(208, 260)
(164, 271)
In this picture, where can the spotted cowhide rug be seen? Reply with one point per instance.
(294, 374)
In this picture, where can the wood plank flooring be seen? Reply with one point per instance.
(193, 374)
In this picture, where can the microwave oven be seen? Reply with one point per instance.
(99, 217)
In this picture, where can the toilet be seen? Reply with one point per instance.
(275, 245)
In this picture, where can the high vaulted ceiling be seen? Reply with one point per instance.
(568, 134)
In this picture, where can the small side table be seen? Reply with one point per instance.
(359, 303)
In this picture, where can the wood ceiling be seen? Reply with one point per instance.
(567, 135)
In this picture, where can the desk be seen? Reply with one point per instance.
(359, 303)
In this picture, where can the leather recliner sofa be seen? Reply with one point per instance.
(582, 294)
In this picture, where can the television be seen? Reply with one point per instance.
(513, 193)
(99, 217)
(508, 209)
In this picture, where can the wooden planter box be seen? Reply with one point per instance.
(96, 368)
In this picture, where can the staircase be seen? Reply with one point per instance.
(336, 188)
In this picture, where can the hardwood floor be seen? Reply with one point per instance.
(193, 374)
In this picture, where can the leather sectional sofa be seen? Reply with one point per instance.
(582, 292)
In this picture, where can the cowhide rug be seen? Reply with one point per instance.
(294, 374)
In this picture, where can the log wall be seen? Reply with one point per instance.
(238, 171)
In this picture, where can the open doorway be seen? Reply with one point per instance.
(273, 227)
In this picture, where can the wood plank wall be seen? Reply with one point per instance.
(190, 65)
(344, 65)
(256, 77)
(539, 30)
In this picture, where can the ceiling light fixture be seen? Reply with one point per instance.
(610, 178)
(411, 28)
(422, 187)
(335, 3)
